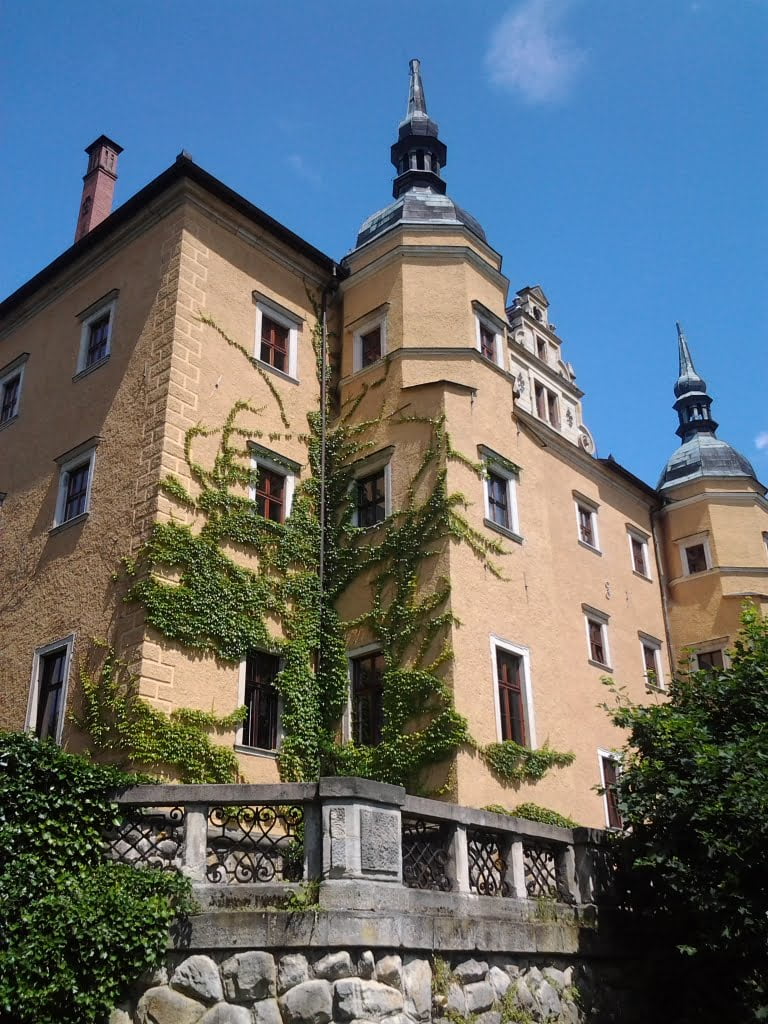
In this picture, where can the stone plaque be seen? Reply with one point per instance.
(379, 842)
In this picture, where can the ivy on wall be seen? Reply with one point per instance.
(196, 594)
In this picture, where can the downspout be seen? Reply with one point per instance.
(328, 290)
(662, 585)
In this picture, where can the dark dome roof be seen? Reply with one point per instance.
(418, 206)
(704, 455)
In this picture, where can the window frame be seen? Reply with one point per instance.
(370, 466)
(581, 502)
(285, 318)
(494, 325)
(599, 618)
(709, 647)
(240, 745)
(609, 755)
(527, 702)
(13, 369)
(68, 463)
(496, 465)
(652, 643)
(347, 724)
(105, 306)
(273, 462)
(377, 319)
(66, 643)
(637, 536)
(695, 540)
(551, 399)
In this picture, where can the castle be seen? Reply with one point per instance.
(191, 389)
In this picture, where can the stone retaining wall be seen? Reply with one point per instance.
(358, 986)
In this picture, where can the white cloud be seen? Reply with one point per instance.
(761, 441)
(529, 53)
(299, 166)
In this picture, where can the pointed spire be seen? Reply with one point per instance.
(693, 401)
(417, 102)
(418, 154)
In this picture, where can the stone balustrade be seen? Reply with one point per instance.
(368, 843)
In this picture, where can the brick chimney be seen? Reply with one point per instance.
(98, 184)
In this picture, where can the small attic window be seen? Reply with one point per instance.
(537, 313)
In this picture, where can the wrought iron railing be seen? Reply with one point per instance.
(340, 829)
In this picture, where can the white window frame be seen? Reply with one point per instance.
(85, 452)
(495, 326)
(260, 460)
(600, 618)
(610, 755)
(691, 542)
(523, 652)
(497, 467)
(367, 467)
(642, 538)
(241, 747)
(652, 642)
(285, 318)
(581, 501)
(67, 642)
(14, 369)
(718, 644)
(108, 304)
(346, 718)
(370, 323)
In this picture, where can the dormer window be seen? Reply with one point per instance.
(547, 405)
(541, 349)
(537, 313)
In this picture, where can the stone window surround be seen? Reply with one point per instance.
(648, 641)
(528, 703)
(369, 465)
(689, 542)
(240, 747)
(70, 460)
(275, 463)
(608, 755)
(498, 465)
(106, 304)
(633, 533)
(581, 501)
(707, 646)
(601, 618)
(286, 318)
(40, 652)
(493, 323)
(375, 318)
(16, 366)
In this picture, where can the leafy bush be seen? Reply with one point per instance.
(694, 796)
(75, 930)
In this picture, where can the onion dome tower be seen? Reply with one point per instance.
(701, 453)
(419, 156)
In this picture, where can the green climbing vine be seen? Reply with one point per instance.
(196, 594)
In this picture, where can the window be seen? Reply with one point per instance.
(369, 339)
(695, 555)
(96, 336)
(547, 405)
(262, 701)
(500, 491)
(651, 651)
(597, 636)
(274, 344)
(541, 348)
(273, 483)
(367, 698)
(370, 347)
(11, 378)
(489, 334)
(696, 559)
(512, 692)
(609, 778)
(710, 660)
(48, 692)
(277, 336)
(586, 521)
(75, 481)
(371, 499)
(638, 550)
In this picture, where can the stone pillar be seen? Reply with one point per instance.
(361, 830)
(515, 876)
(195, 852)
(458, 866)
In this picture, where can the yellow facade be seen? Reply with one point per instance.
(186, 250)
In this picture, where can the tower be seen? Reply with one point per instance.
(714, 520)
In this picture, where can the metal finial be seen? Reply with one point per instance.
(417, 103)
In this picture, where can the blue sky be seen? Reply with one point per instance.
(614, 150)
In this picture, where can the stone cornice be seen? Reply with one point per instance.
(449, 253)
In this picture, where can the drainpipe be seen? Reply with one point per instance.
(662, 585)
(328, 290)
